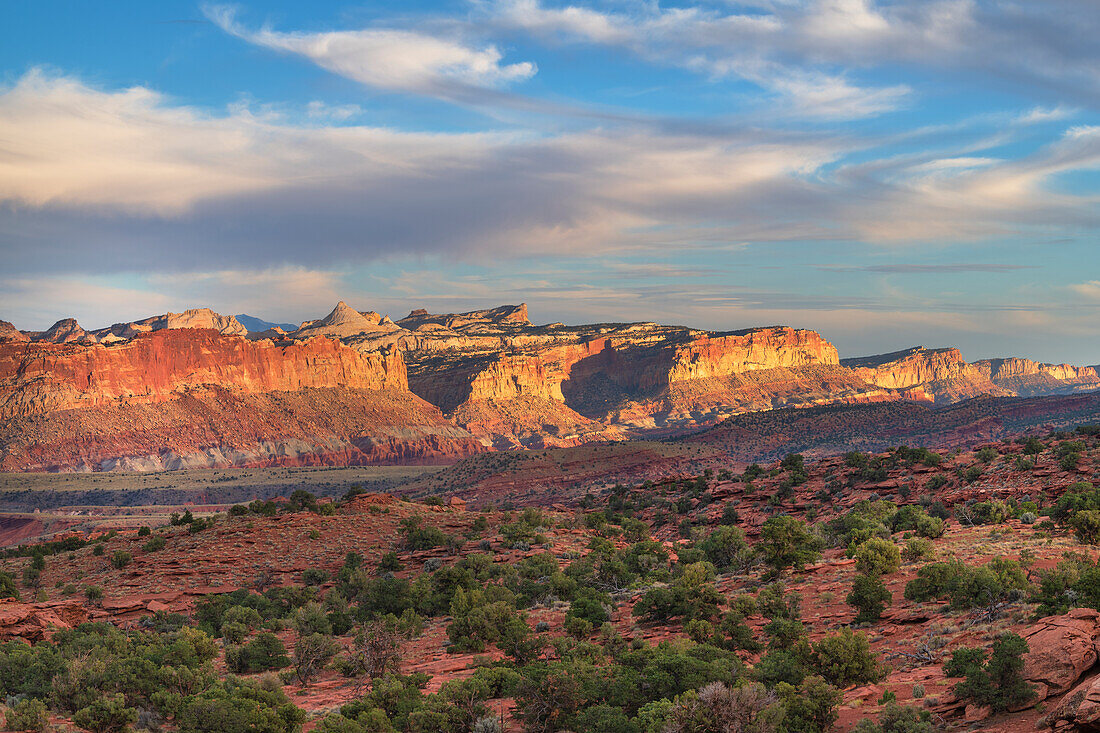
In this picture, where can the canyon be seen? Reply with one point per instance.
(198, 389)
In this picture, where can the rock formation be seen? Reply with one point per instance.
(8, 332)
(1026, 378)
(195, 397)
(942, 373)
(490, 374)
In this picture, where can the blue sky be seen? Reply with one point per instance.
(888, 173)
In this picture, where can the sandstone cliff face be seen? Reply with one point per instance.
(767, 348)
(941, 373)
(64, 331)
(8, 332)
(161, 365)
(1030, 378)
(501, 380)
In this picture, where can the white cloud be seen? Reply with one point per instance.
(1039, 115)
(120, 180)
(318, 110)
(1089, 289)
(391, 59)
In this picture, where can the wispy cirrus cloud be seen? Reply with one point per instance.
(392, 59)
(927, 269)
(808, 51)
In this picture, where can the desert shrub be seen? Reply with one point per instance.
(999, 682)
(965, 586)
(785, 543)
(918, 548)
(1086, 526)
(718, 707)
(930, 527)
(477, 622)
(990, 512)
(417, 536)
(312, 653)
(987, 454)
(811, 707)
(108, 714)
(725, 546)
(846, 659)
(240, 706)
(1080, 496)
(907, 518)
(121, 559)
(591, 605)
(730, 515)
(877, 557)
(314, 576)
(154, 544)
(869, 597)
(896, 718)
(936, 482)
(265, 652)
(28, 714)
(690, 596)
(1029, 518)
(8, 588)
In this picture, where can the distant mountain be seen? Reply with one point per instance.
(254, 324)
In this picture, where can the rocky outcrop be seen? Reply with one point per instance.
(503, 315)
(344, 321)
(1028, 378)
(942, 374)
(8, 332)
(194, 398)
(163, 365)
(33, 622)
(63, 332)
(710, 356)
(194, 318)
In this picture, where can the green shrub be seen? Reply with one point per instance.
(811, 706)
(917, 548)
(1086, 526)
(869, 597)
(930, 527)
(877, 557)
(785, 543)
(121, 559)
(725, 546)
(27, 715)
(312, 653)
(240, 706)
(264, 653)
(420, 537)
(998, 683)
(846, 659)
(108, 714)
(896, 718)
(154, 544)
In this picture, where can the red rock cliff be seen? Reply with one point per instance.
(767, 348)
(38, 378)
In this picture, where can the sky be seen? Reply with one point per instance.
(889, 173)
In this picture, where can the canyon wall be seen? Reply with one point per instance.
(195, 389)
(161, 365)
(942, 374)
